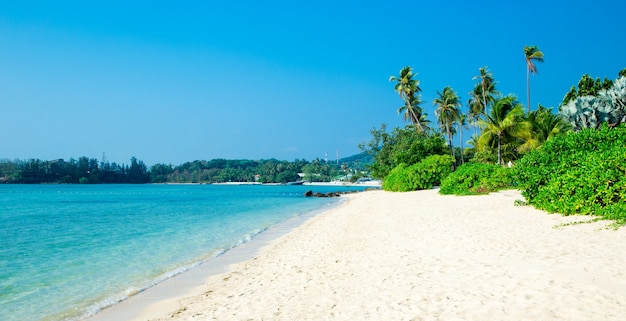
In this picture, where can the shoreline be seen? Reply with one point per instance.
(424, 256)
(188, 282)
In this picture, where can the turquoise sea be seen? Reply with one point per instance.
(67, 251)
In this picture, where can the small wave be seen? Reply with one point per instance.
(132, 291)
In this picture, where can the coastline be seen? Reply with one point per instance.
(422, 256)
(169, 291)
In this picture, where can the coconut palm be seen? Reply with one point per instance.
(424, 123)
(486, 89)
(412, 112)
(408, 88)
(448, 103)
(531, 54)
(504, 120)
(543, 125)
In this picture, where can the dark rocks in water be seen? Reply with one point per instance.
(310, 193)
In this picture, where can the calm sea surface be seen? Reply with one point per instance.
(66, 251)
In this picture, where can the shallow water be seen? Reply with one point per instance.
(66, 251)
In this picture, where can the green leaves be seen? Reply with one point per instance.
(408, 88)
(577, 173)
(403, 145)
(423, 175)
(476, 178)
(597, 106)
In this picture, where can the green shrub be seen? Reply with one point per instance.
(577, 173)
(423, 175)
(402, 145)
(476, 178)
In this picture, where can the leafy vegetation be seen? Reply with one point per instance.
(544, 125)
(503, 126)
(408, 88)
(476, 178)
(402, 146)
(578, 173)
(448, 113)
(605, 106)
(423, 175)
(586, 87)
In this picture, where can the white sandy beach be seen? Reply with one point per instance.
(421, 256)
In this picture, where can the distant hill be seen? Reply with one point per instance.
(357, 160)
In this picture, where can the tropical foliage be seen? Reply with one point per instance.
(484, 93)
(502, 128)
(578, 173)
(591, 111)
(408, 88)
(586, 87)
(476, 178)
(401, 146)
(447, 104)
(543, 125)
(423, 175)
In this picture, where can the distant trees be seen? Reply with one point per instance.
(401, 146)
(84, 171)
(90, 171)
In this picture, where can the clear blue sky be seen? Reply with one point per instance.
(176, 81)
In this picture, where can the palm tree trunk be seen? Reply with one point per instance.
(484, 98)
(461, 142)
(418, 125)
(499, 153)
(528, 87)
(450, 144)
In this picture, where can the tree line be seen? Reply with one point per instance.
(570, 162)
(86, 170)
(503, 130)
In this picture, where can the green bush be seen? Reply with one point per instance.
(577, 173)
(423, 175)
(402, 145)
(476, 178)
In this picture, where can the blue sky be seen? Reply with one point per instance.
(170, 82)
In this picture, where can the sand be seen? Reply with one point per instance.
(421, 256)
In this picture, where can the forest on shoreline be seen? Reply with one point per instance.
(86, 170)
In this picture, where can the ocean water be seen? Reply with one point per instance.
(67, 251)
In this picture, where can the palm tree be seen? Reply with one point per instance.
(483, 94)
(505, 119)
(412, 112)
(543, 125)
(531, 54)
(486, 89)
(424, 123)
(408, 88)
(447, 112)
